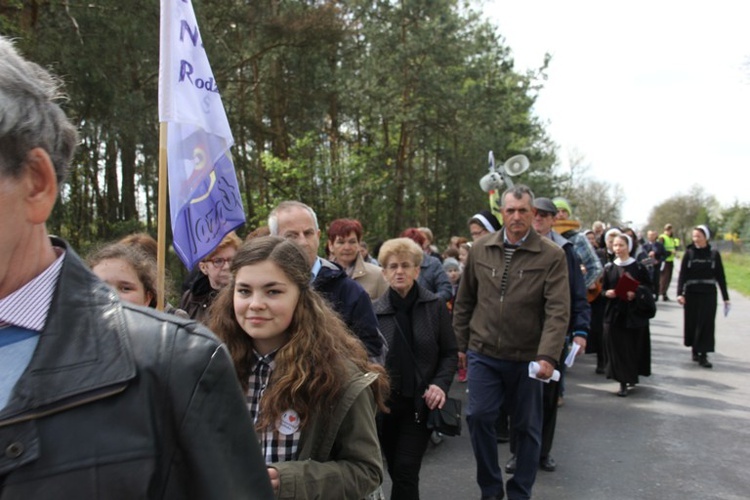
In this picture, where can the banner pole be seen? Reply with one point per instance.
(161, 231)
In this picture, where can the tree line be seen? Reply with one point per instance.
(383, 111)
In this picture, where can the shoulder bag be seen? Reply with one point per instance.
(445, 420)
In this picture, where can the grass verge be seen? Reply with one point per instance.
(737, 270)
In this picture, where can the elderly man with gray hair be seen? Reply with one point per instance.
(512, 308)
(296, 221)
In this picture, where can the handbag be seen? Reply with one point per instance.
(445, 420)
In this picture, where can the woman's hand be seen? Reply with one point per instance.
(630, 295)
(273, 474)
(434, 397)
(610, 294)
(681, 300)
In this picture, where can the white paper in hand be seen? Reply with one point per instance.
(571, 357)
(534, 369)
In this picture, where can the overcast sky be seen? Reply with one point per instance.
(654, 94)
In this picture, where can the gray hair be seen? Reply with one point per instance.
(273, 217)
(518, 191)
(29, 117)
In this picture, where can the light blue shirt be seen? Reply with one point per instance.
(23, 315)
(315, 269)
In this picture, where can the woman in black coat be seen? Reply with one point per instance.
(627, 338)
(700, 271)
(421, 362)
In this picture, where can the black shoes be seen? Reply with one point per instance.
(436, 438)
(704, 362)
(599, 370)
(623, 392)
(702, 359)
(499, 496)
(664, 298)
(548, 463)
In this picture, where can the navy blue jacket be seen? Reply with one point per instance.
(433, 277)
(580, 310)
(351, 301)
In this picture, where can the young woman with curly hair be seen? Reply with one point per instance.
(310, 388)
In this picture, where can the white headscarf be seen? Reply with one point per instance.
(705, 230)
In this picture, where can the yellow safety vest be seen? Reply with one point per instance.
(670, 246)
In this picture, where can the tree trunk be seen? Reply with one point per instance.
(129, 211)
(112, 194)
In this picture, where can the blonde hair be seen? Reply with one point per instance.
(400, 246)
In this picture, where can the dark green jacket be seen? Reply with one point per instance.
(339, 453)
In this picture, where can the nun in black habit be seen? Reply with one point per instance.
(627, 338)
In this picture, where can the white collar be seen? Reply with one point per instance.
(625, 262)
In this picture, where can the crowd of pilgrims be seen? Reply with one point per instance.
(320, 373)
(402, 357)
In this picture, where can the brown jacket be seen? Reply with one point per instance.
(528, 320)
(370, 277)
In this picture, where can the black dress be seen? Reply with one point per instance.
(628, 348)
(700, 271)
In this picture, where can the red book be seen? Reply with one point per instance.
(626, 284)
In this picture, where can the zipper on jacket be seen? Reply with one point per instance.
(58, 409)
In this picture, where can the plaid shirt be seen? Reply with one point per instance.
(280, 444)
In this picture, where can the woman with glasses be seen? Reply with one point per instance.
(215, 275)
(421, 362)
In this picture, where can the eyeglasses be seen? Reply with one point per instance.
(219, 262)
(394, 266)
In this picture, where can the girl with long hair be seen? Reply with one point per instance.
(310, 388)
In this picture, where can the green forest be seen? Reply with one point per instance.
(381, 111)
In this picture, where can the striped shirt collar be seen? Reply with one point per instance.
(517, 244)
(28, 307)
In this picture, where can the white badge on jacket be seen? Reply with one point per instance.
(289, 423)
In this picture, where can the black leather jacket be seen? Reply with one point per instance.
(122, 402)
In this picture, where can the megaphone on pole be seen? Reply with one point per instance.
(494, 180)
(516, 165)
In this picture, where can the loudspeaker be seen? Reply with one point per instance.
(516, 165)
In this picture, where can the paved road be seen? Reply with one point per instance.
(683, 433)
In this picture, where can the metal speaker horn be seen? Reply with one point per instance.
(516, 165)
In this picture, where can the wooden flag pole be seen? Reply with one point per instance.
(161, 228)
